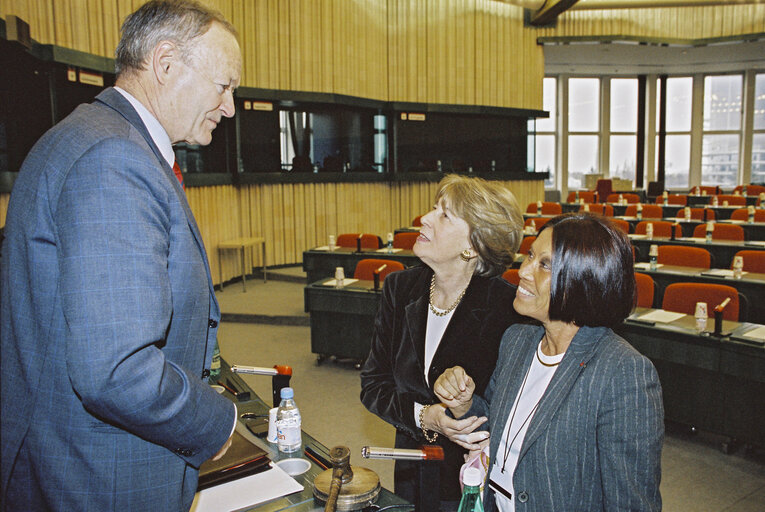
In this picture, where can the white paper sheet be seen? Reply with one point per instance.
(392, 250)
(756, 334)
(647, 266)
(659, 315)
(245, 492)
(636, 237)
(720, 272)
(333, 282)
(322, 248)
(755, 242)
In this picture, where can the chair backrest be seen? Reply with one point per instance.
(661, 228)
(732, 200)
(417, 221)
(365, 268)
(682, 298)
(404, 240)
(754, 261)
(697, 214)
(367, 241)
(710, 190)
(511, 276)
(630, 198)
(674, 199)
(538, 222)
(655, 188)
(650, 211)
(604, 187)
(743, 214)
(548, 208)
(684, 256)
(588, 196)
(526, 244)
(301, 163)
(751, 190)
(721, 232)
(644, 286)
(599, 208)
(621, 224)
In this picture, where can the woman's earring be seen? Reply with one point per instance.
(465, 255)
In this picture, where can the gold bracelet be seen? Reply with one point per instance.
(424, 430)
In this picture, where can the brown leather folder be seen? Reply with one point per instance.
(243, 458)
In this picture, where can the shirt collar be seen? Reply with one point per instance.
(156, 131)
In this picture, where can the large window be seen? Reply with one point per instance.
(758, 137)
(545, 133)
(623, 127)
(721, 130)
(677, 149)
(583, 125)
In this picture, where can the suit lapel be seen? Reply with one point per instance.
(580, 351)
(417, 316)
(117, 101)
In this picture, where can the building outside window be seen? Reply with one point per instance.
(758, 135)
(721, 130)
(623, 128)
(677, 157)
(583, 125)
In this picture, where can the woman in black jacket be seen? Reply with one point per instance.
(450, 311)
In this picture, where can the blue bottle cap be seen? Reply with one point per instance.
(287, 393)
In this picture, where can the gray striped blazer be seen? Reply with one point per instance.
(595, 440)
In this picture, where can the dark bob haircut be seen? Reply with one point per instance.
(593, 277)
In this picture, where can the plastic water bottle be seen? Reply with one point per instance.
(390, 243)
(288, 423)
(471, 491)
(215, 366)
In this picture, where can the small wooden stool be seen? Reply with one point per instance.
(241, 245)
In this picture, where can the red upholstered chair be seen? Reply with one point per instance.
(697, 214)
(365, 268)
(754, 261)
(721, 232)
(650, 211)
(684, 256)
(661, 228)
(751, 190)
(710, 190)
(674, 199)
(526, 244)
(604, 188)
(511, 276)
(548, 208)
(588, 196)
(682, 298)
(645, 290)
(417, 221)
(367, 241)
(621, 224)
(538, 222)
(743, 214)
(404, 240)
(732, 200)
(599, 208)
(630, 198)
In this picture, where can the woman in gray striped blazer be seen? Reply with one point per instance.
(575, 413)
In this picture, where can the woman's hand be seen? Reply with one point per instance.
(455, 389)
(458, 431)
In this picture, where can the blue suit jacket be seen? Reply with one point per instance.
(595, 440)
(108, 322)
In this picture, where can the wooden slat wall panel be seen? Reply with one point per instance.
(295, 217)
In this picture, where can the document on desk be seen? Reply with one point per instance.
(660, 315)
(246, 492)
(392, 250)
(755, 334)
(720, 272)
(333, 282)
(646, 265)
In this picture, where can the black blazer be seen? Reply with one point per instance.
(392, 379)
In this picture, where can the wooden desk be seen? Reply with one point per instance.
(716, 384)
(342, 319)
(319, 264)
(722, 250)
(301, 501)
(701, 201)
(751, 285)
(241, 245)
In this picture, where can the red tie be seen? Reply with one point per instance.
(177, 171)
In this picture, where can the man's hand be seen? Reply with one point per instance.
(458, 431)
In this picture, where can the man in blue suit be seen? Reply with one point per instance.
(108, 313)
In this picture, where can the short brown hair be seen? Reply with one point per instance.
(179, 21)
(492, 215)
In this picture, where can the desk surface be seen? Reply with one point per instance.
(319, 263)
(301, 501)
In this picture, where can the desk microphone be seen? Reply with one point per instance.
(432, 452)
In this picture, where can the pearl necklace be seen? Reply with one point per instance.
(450, 308)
